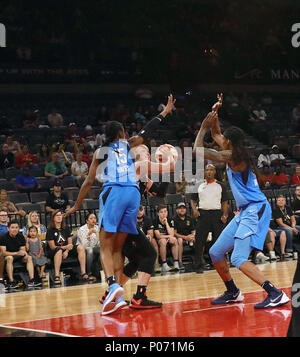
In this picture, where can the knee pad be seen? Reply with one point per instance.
(130, 269)
(147, 264)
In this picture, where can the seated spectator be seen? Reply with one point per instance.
(144, 223)
(55, 169)
(89, 137)
(43, 155)
(280, 178)
(13, 249)
(296, 201)
(296, 114)
(65, 156)
(82, 150)
(296, 176)
(164, 233)
(285, 220)
(264, 159)
(3, 223)
(79, 170)
(185, 230)
(266, 178)
(29, 119)
(259, 112)
(35, 249)
(26, 182)
(25, 158)
(7, 158)
(276, 235)
(55, 119)
(88, 247)
(181, 186)
(9, 207)
(277, 159)
(33, 219)
(57, 199)
(13, 145)
(73, 136)
(60, 243)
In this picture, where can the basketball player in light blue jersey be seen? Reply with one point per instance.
(247, 230)
(119, 200)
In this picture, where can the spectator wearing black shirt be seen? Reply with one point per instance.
(184, 230)
(210, 207)
(296, 201)
(3, 230)
(57, 199)
(60, 243)
(13, 247)
(7, 158)
(164, 233)
(285, 220)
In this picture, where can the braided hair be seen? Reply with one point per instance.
(239, 151)
(112, 131)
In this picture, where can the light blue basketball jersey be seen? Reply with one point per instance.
(244, 187)
(119, 168)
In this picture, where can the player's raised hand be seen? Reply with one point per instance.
(170, 105)
(209, 121)
(218, 104)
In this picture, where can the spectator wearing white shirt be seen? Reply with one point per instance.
(277, 159)
(88, 243)
(55, 119)
(264, 159)
(79, 169)
(260, 113)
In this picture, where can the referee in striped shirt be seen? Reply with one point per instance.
(210, 207)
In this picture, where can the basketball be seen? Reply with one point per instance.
(164, 151)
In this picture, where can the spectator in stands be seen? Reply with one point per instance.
(296, 176)
(144, 223)
(43, 155)
(33, 219)
(164, 233)
(57, 199)
(181, 186)
(55, 119)
(277, 159)
(65, 156)
(296, 114)
(88, 247)
(184, 227)
(265, 179)
(102, 116)
(79, 170)
(82, 150)
(280, 179)
(276, 235)
(210, 206)
(35, 249)
(296, 201)
(259, 112)
(25, 158)
(73, 136)
(7, 158)
(55, 169)
(89, 137)
(26, 182)
(13, 145)
(9, 207)
(3, 222)
(60, 243)
(285, 220)
(264, 159)
(13, 249)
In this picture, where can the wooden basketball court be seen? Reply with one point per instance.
(186, 312)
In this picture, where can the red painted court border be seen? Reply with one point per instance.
(193, 318)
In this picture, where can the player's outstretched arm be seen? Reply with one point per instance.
(152, 124)
(210, 154)
(215, 125)
(86, 186)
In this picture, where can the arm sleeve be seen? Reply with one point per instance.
(160, 189)
(151, 125)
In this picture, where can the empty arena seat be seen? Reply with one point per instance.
(38, 196)
(18, 197)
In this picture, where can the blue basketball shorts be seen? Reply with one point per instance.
(118, 209)
(246, 231)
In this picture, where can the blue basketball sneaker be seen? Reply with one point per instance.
(115, 291)
(274, 299)
(228, 297)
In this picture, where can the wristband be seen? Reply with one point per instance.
(152, 124)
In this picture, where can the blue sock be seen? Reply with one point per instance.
(231, 287)
(269, 288)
